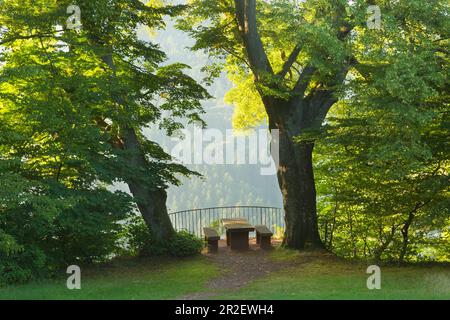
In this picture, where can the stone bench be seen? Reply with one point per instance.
(263, 237)
(212, 239)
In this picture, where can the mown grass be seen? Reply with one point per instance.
(306, 276)
(125, 279)
(320, 276)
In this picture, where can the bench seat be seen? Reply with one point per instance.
(263, 237)
(212, 238)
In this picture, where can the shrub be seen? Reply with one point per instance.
(185, 244)
(22, 266)
(90, 230)
(140, 241)
(46, 233)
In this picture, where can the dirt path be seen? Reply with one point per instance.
(240, 268)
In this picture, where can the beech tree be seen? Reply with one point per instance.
(87, 59)
(291, 62)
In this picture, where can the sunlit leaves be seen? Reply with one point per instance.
(64, 108)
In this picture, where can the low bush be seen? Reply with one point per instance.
(184, 244)
(141, 243)
(40, 237)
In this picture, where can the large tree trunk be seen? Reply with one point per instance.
(296, 180)
(295, 174)
(150, 201)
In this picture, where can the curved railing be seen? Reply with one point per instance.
(195, 219)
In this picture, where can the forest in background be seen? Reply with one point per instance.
(220, 185)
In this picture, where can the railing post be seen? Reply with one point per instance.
(201, 222)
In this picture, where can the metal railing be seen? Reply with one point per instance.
(194, 220)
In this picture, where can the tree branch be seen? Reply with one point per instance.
(290, 61)
(246, 18)
(27, 37)
(304, 80)
(325, 99)
(237, 56)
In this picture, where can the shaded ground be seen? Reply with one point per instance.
(135, 279)
(256, 274)
(329, 278)
(289, 274)
(242, 268)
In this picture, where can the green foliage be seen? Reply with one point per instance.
(83, 237)
(282, 25)
(382, 152)
(218, 226)
(64, 113)
(382, 160)
(28, 264)
(140, 242)
(249, 110)
(37, 245)
(184, 244)
(139, 239)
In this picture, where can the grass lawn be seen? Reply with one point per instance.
(328, 277)
(307, 276)
(125, 279)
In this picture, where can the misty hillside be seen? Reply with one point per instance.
(221, 185)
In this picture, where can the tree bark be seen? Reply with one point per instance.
(378, 252)
(405, 234)
(296, 180)
(404, 249)
(406, 227)
(150, 201)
